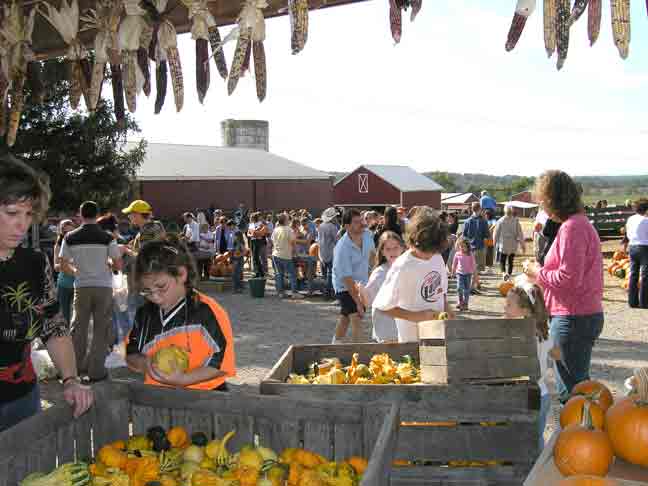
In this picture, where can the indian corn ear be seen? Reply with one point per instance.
(621, 26)
(160, 85)
(260, 69)
(395, 21)
(578, 10)
(562, 31)
(175, 68)
(202, 68)
(523, 10)
(593, 20)
(219, 54)
(416, 8)
(118, 94)
(549, 21)
(239, 58)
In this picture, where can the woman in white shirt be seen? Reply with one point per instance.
(191, 231)
(637, 234)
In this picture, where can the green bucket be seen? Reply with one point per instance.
(257, 287)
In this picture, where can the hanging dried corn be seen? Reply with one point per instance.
(246, 60)
(201, 21)
(105, 20)
(593, 20)
(395, 20)
(239, 58)
(621, 26)
(416, 8)
(130, 37)
(577, 11)
(298, 13)
(143, 62)
(16, 36)
(549, 21)
(523, 11)
(118, 94)
(66, 22)
(218, 54)
(167, 41)
(161, 81)
(258, 51)
(562, 31)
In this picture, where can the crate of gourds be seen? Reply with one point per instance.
(620, 268)
(447, 432)
(601, 441)
(140, 435)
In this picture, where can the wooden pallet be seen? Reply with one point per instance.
(545, 473)
(438, 423)
(336, 430)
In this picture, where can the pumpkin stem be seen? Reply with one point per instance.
(586, 420)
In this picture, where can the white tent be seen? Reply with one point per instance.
(519, 204)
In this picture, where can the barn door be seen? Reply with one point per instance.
(363, 183)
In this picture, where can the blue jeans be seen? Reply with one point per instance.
(284, 266)
(545, 406)
(464, 281)
(327, 273)
(65, 296)
(237, 274)
(310, 264)
(575, 336)
(638, 294)
(13, 412)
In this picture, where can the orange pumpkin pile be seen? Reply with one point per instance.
(595, 430)
(221, 265)
(620, 267)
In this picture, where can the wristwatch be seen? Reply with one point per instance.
(71, 379)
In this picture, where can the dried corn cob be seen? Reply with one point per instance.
(219, 54)
(577, 11)
(549, 20)
(416, 8)
(245, 67)
(160, 85)
(260, 69)
(35, 77)
(175, 68)
(523, 11)
(621, 26)
(395, 21)
(239, 58)
(562, 31)
(298, 12)
(202, 68)
(145, 68)
(118, 94)
(17, 97)
(593, 20)
(129, 73)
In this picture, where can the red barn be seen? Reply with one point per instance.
(178, 178)
(524, 196)
(386, 185)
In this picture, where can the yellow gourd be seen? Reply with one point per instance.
(112, 457)
(295, 473)
(247, 476)
(203, 477)
(148, 469)
(178, 437)
(308, 459)
(139, 443)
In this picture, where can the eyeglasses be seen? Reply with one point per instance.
(158, 290)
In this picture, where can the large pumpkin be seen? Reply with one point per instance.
(572, 412)
(584, 480)
(505, 288)
(596, 391)
(627, 423)
(582, 449)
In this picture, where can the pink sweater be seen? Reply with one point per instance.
(463, 264)
(572, 276)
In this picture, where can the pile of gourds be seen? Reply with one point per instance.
(381, 370)
(595, 429)
(620, 268)
(221, 265)
(175, 458)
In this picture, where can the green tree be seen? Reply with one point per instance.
(444, 179)
(83, 154)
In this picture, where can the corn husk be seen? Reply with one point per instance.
(129, 67)
(260, 69)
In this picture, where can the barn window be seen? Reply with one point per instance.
(363, 183)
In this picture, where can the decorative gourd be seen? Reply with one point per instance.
(597, 392)
(139, 443)
(171, 359)
(314, 250)
(582, 449)
(205, 478)
(620, 273)
(112, 457)
(572, 412)
(147, 470)
(178, 437)
(359, 464)
(505, 288)
(619, 255)
(583, 480)
(627, 423)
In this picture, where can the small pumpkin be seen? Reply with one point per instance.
(205, 478)
(582, 449)
(505, 287)
(178, 437)
(582, 480)
(359, 464)
(120, 445)
(627, 423)
(112, 457)
(597, 391)
(619, 255)
(572, 412)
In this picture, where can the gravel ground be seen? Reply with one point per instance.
(264, 328)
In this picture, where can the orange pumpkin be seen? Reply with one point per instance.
(583, 480)
(572, 412)
(627, 424)
(597, 392)
(314, 250)
(619, 255)
(505, 288)
(359, 464)
(582, 449)
(178, 437)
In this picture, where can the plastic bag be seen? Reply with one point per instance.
(43, 365)
(120, 291)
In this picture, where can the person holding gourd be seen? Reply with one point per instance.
(181, 337)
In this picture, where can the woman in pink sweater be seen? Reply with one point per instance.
(572, 278)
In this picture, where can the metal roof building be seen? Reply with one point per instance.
(176, 178)
(386, 185)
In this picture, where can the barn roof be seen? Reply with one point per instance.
(403, 178)
(457, 198)
(166, 161)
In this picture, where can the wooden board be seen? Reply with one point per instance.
(544, 471)
(478, 350)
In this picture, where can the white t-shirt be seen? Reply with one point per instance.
(637, 230)
(384, 327)
(546, 363)
(414, 285)
(192, 232)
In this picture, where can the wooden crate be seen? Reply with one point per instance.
(513, 405)
(545, 473)
(478, 350)
(336, 430)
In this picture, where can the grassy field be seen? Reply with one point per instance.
(614, 199)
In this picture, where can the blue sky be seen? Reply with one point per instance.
(448, 97)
